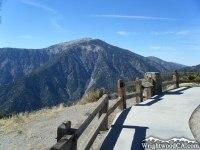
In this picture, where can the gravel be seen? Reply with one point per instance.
(194, 123)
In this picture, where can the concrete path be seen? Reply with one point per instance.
(164, 116)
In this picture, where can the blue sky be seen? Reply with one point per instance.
(167, 29)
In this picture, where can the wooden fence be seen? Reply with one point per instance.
(67, 134)
(176, 81)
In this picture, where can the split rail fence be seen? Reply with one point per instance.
(67, 134)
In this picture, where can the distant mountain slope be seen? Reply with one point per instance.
(15, 62)
(71, 69)
(190, 69)
(167, 65)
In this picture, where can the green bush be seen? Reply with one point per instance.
(185, 78)
(130, 89)
(197, 77)
(4, 115)
(191, 77)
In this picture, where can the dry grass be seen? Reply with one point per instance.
(170, 86)
(189, 84)
(23, 118)
(91, 96)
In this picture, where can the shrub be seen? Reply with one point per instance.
(184, 78)
(4, 115)
(130, 89)
(197, 77)
(191, 77)
(91, 96)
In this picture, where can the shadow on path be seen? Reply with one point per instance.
(113, 135)
(158, 97)
(139, 136)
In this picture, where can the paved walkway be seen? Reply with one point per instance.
(164, 116)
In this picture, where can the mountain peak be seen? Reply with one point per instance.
(84, 43)
(57, 48)
(76, 41)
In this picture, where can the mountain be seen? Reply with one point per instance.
(190, 69)
(15, 62)
(166, 65)
(64, 72)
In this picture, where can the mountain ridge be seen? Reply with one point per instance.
(72, 70)
(168, 65)
(190, 69)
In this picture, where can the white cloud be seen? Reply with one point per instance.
(123, 33)
(127, 33)
(25, 37)
(155, 33)
(169, 48)
(168, 32)
(193, 47)
(54, 22)
(134, 17)
(162, 33)
(163, 48)
(155, 47)
(183, 32)
(39, 6)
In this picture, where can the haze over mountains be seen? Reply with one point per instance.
(34, 78)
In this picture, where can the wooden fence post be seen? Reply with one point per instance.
(176, 79)
(150, 89)
(62, 129)
(121, 93)
(139, 89)
(101, 92)
(103, 110)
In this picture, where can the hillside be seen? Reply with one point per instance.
(190, 69)
(75, 68)
(167, 65)
(15, 62)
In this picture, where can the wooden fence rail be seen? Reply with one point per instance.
(168, 82)
(68, 134)
(188, 73)
(180, 73)
(189, 81)
(176, 78)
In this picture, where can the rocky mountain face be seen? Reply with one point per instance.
(63, 73)
(15, 62)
